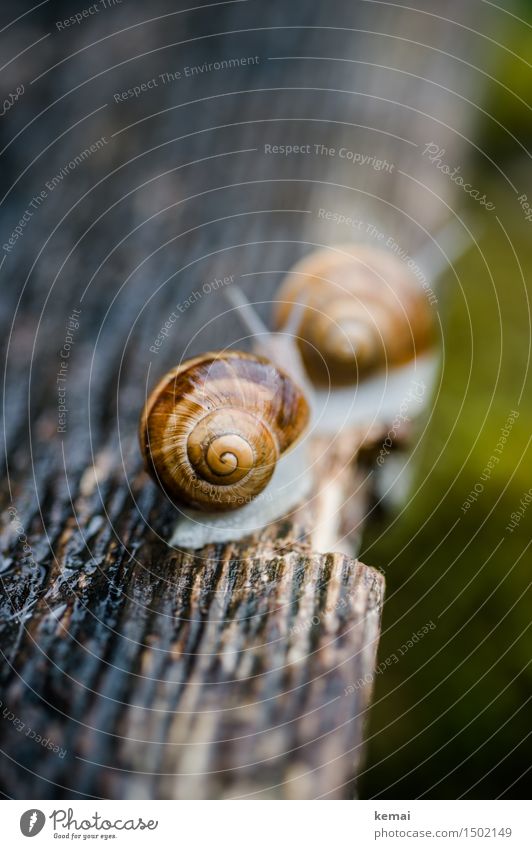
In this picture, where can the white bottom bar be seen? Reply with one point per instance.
(261, 825)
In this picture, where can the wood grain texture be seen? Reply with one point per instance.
(214, 675)
(154, 672)
(235, 670)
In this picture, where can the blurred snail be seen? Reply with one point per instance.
(363, 310)
(214, 428)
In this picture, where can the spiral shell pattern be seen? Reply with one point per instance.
(364, 310)
(214, 427)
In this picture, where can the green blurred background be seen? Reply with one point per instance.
(456, 709)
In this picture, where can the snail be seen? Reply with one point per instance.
(364, 325)
(364, 310)
(215, 427)
(220, 433)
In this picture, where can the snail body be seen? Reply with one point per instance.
(363, 311)
(214, 428)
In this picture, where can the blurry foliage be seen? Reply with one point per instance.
(452, 716)
(433, 705)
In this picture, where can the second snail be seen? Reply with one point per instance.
(363, 310)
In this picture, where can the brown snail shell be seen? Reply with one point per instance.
(214, 427)
(364, 310)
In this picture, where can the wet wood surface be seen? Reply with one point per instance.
(131, 670)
